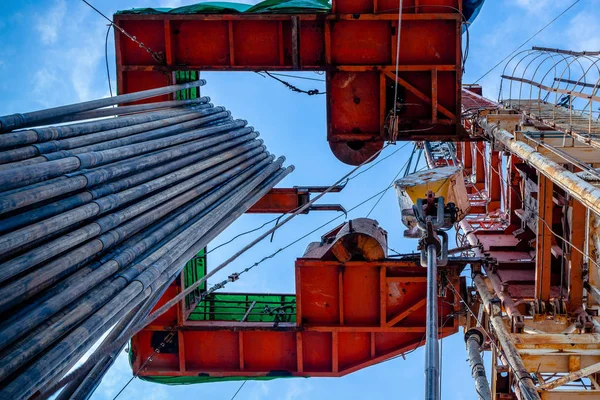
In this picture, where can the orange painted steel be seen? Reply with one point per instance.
(278, 201)
(285, 200)
(349, 316)
(355, 44)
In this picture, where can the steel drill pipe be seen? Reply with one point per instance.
(30, 174)
(36, 374)
(198, 229)
(250, 199)
(578, 188)
(524, 381)
(474, 341)
(64, 320)
(84, 387)
(28, 383)
(44, 134)
(16, 121)
(66, 364)
(83, 273)
(432, 356)
(36, 193)
(23, 176)
(67, 319)
(32, 344)
(10, 157)
(146, 212)
(52, 209)
(54, 247)
(56, 151)
(38, 280)
(115, 232)
(63, 368)
(138, 108)
(105, 204)
(9, 241)
(64, 262)
(61, 323)
(88, 383)
(96, 176)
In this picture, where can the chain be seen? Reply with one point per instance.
(144, 366)
(159, 57)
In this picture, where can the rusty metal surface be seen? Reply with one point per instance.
(350, 314)
(356, 49)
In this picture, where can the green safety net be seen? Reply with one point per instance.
(185, 77)
(190, 380)
(267, 6)
(254, 307)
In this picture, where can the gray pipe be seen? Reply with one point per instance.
(26, 175)
(44, 134)
(35, 375)
(32, 283)
(474, 341)
(36, 193)
(249, 201)
(432, 356)
(124, 110)
(15, 121)
(107, 203)
(10, 157)
(52, 209)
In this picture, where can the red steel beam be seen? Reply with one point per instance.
(356, 49)
(576, 261)
(543, 261)
(343, 323)
(280, 201)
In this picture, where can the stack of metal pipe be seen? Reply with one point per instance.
(98, 217)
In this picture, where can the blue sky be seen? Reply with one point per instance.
(53, 54)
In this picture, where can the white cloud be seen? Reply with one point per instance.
(73, 70)
(583, 30)
(49, 24)
(260, 391)
(45, 84)
(171, 3)
(297, 389)
(537, 6)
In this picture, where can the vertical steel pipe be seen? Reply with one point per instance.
(474, 341)
(523, 379)
(42, 152)
(432, 355)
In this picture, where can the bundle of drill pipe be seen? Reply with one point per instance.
(98, 217)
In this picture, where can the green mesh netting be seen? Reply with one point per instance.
(267, 6)
(235, 306)
(190, 380)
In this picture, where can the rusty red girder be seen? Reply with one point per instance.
(355, 44)
(285, 200)
(348, 315)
